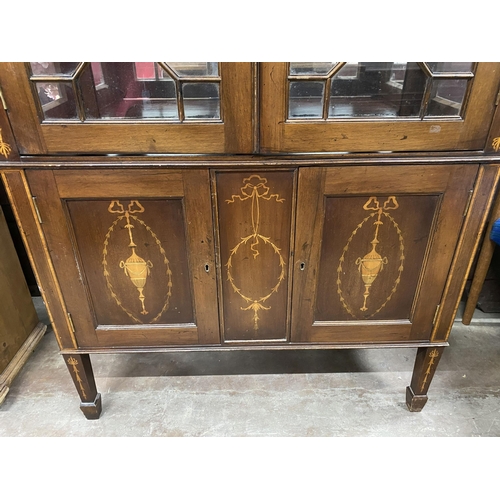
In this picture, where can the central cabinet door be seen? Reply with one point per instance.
(373, 250)
(255, 214)
(133, 253)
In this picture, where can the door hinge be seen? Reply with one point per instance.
(70, 319)
(2, 98)
(436, 314)
(467, 206)
(36, 210)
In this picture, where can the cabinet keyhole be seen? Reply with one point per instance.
(302, 266)
(207, 268)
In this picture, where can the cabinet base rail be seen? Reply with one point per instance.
(248, 347)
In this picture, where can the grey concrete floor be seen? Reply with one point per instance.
(292, 393)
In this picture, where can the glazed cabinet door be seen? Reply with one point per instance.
(133, 253)
(129, 107)
(376, 106)
(373, 250)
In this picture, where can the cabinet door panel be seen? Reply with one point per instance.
(363, 242)
(303, 113)
(255, 229)
(374, 261)
(124, 110)
(135, 268)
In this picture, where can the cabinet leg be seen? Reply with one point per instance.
(80, 368)
(425, 366)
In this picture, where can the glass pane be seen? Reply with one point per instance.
(201, 100)
(447, 97)
(53, 68)
(97, 73)
(450, 67)
(57, 100)
(306, 99)
(130, 90)
(377, 89)
(145, 70)
(195, 68)
(311, 68)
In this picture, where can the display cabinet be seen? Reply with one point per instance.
(222, 206)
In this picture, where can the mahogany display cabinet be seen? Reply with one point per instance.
(228, 206)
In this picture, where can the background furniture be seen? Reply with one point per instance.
(20, 330)
(483, 262)
(301, 205)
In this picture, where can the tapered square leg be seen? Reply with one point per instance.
(425, 366)
(80, 368)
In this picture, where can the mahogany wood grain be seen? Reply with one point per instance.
(481, 107)
(108, 260)
(133, 138)
(80, 369)
(60, 246)
(234, 134)
(200, 237)
(176, 198)
(309, 228)
(356, 332)
(282, 135)
(237, 107)
(403, 255)
(96, 183)
(20, 197)
(272, 106)
(254, 216)
(147, 335)
(447, 231)
(451, 184)
(484, 189)
(382, 179)
(23, 113)
(426, 362)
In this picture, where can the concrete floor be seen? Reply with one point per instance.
(301, 393)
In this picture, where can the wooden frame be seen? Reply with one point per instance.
(233, 134)
(279, 135)
(453, 183)
(51, 189)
